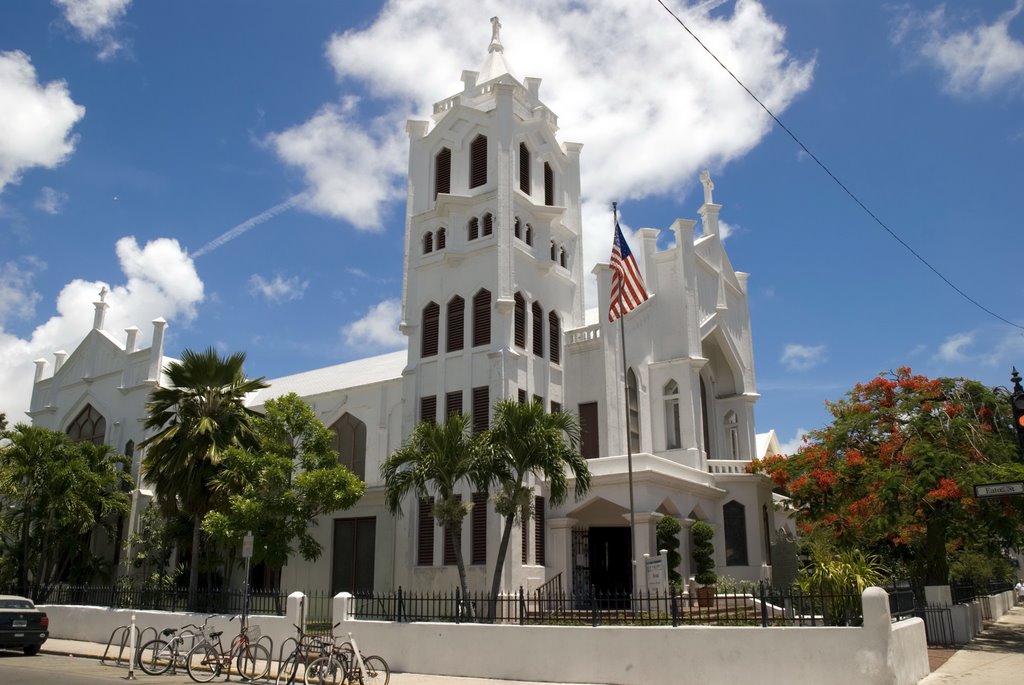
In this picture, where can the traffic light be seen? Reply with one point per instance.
(1017, 402)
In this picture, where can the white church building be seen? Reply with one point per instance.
(492, 306)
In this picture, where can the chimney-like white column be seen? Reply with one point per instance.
(40, 365)
(131, 339)
(58, 360)
(156, 351)
(101, 309)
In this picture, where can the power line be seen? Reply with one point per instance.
(834, 178)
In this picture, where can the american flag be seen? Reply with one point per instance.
(628, 290)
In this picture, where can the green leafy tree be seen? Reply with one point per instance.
(667, 534)
(433, 462)
(198, 417)
(894, 473)
(58, 492)
(278, 489)
(703, 553)
(525, 440)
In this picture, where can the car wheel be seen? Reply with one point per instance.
(31, 650)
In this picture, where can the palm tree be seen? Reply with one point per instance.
(435, 459)
(201, 414)
(524, 440)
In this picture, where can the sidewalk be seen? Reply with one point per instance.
(994, 657)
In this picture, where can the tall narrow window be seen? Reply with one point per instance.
(549, 185)
(349, 441)
(554, 338)
(473, 229)
(766, 529)
(524, 527)
(589, 445)
(443, 172)
(538, 329)
(88, 426)
(518, 228)
(538, 531)
(735, 519)
(561, 257)
(450, 541)
(478, 543)
(488, 223)
(481, 408)
(554, 253)
(425, 532)
(478, 162)
(453, 403)
(633, 405)
(431, 320)
(519, 333)
(456, 338)
(482, 318)
(428, 242)
(524, 168)
(555, 407)
(672, 436)
(441, 238)
(705, 421)
(732, 431)
(529, 234)
(522, 396)
(428, 409)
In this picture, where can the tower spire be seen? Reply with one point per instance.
(495, 45)
(494, 64)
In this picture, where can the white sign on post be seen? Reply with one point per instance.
(657, 574)
(247, 546)
(999, 489)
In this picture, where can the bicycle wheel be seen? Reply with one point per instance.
(377, 671)
(288, 670)
(253, 661)
(155, 657)
(203, 663)
(327, 670)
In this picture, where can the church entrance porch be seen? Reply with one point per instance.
(602, 562)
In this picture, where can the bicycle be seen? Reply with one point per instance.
(160, 655)
(206, 660)
(345, 665)
(305, 647)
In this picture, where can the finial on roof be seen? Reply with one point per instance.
(705, 179)
(103, 294)
(495, 45)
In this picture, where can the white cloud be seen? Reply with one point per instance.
(17, 299)
(978, 60)
(793, 445)
(51, 201)
(278, 289)
(802, 357)
(160, 280)
(655, 140)
(35, 121)
(378, 329)
(954, 347)
(95, 21)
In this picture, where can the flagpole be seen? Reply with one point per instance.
(629, 442)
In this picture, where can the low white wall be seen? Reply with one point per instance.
(880, 653)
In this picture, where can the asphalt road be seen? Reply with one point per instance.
(18, 669)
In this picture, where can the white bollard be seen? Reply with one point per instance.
(131, 650)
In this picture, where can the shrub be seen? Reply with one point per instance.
(704, 553)
(667, 531)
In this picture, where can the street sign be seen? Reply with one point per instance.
(247, 546)
(999, 489)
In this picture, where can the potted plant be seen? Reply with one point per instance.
(704, 561)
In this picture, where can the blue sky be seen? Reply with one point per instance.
(238, 168)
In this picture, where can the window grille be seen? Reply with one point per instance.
(478, 162)
(482, 318)
(456, 320)
(443, 172)
(431, 320)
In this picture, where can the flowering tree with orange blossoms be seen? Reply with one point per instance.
(895, 472)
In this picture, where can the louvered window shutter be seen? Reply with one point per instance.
(478, 555)
(554, 338)
(449, 542)
(443, 172)
(474, 229)
(482, 318)
(456, 324)
(431, 320)
(481, 408)
(549, 185)
(538, 330)
(478, 162)
(524, 168)
(441, 237)
(488, 223)
(425, 533)
(538, 531)
(428, 409)
(518, 228)
(520, 321)
(453, 403)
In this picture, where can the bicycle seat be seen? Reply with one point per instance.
(214, 636)
(169, 631)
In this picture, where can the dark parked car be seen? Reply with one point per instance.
(22, 626)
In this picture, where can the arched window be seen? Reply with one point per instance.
(554, 338)
(732, 434)
(431, 320)
(350, 443)
(456, 338)
(88, 426)
(129, 449)
(488, 223)
(529, 234)
(482, 318)
(633, 406)
(705, 422)
(524, 168)
(473, 228)
(554, 253)
(735, 518)
(538, 330)
(561, 257)
(428, 242)
(520, 321)
(549, 185)
(478, 162)
(443, 172)
(442, 237)
(672, 437)
(518, 229)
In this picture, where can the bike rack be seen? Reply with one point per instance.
(125, 633)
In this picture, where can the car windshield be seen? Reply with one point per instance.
(15, 604)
